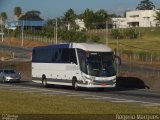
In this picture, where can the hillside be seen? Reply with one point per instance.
(26, 43)
(145, 49)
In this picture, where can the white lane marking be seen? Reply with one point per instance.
(50, 93)
(30, 88)
(151, 105)
(95, 98)
(125, 101)
(29, 91)
(77, 95)
(137, 101)
(16, 89)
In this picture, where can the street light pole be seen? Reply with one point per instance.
(56, 30)
(2, 35)
(107, 32)
(22, 32)
(118, 26)
(2, 29)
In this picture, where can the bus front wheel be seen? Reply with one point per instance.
(44, 81)
(75, 84)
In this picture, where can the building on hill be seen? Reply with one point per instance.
(80, 24)
(137, 18)
(25, 24)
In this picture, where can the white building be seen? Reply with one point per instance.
(80, 23)
(137, 18)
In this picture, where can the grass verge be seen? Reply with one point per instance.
(13, 102)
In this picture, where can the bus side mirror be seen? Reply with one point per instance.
(73, 62)
(118, 59)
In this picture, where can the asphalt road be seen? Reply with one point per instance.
(116, 95)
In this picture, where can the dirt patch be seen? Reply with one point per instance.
(26, 43)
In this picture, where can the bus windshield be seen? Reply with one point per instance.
(99, 64)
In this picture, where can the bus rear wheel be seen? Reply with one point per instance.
(75, 84)
(3, 80)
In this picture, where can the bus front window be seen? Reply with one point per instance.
(100, 64)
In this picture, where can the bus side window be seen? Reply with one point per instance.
(33, 55)
(65, 55)
(73, 56)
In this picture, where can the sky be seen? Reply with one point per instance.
(57, 8)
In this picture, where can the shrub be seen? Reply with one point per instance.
(115, 33)
(130, 33)
(72, 36)
(95, 38)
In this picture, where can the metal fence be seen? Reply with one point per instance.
(142, 56)
(37, 38)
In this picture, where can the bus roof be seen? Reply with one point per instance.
(84, 46)
(92, 47)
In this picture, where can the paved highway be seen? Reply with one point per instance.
(118, 95)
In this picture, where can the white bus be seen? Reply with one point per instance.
(74, 64)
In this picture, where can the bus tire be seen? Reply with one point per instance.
(75, 84)
(3, 80)
(44, 81)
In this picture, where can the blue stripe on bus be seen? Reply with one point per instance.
(54, 46)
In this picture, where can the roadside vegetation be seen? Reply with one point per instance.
(141, 44)
(144, 46)
(136, 43)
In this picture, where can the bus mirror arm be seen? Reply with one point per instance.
(73, 62)
(119, 59)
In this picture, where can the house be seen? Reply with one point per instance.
(136, 18)
(80, 24)
(25, 24)
(10, 25)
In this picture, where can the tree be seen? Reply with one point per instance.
(146, 5)
(113, 15)
(3, 16)
(17, 12)
(88, 17)
(95, 19)
(31, 15)
(69, 16)
(158, 16)
(101, 15)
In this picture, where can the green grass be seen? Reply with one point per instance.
(12, 102)
(148, 44)
(149, 40)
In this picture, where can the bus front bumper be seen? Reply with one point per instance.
(97, 85)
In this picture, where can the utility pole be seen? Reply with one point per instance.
(107, 32)
(22, 27)
(54, 35)
(117, 55)
(2, 35)
(118, 51)
(56, 31)
(2, 29)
